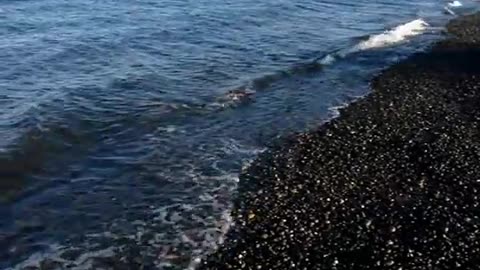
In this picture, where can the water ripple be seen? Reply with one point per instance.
(125, 125)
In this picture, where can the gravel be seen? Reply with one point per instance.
(393, 183)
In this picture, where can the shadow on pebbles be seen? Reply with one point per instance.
(393, 183)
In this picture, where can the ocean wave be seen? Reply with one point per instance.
(394, 36)
(388, 38)
(449, 11)
(55, 257)
(451, 6)
(43, 140)
(172, 233)
(455, 4)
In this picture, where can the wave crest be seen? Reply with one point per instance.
(396, 35)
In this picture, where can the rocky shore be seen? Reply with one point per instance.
(393, 183)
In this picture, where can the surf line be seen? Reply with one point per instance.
(398, 34)
(388, 38)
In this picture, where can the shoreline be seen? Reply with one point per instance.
(392, 183)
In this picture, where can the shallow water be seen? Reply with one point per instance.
(125, 124)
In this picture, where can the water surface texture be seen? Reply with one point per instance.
(125, 124)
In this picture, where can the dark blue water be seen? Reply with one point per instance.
(124, 124)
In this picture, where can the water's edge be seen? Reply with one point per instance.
(126, 126)
(327, 198)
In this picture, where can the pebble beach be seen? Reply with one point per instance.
(392, 183)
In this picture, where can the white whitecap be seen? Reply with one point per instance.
(391, 37)
(327, 60)
(449, 11)
(455, 4)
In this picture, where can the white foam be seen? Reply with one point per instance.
(385, 39)
(334, 111)
(449, 11)
(391, 37)
(327, 60)
(83, 262)
(455, 4)
(212, 244)
(167, 129)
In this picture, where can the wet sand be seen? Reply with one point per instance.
(393, 183)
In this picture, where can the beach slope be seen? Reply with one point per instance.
(393, 183)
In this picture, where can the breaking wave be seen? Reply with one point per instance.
(388, 38)
(394, 36)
